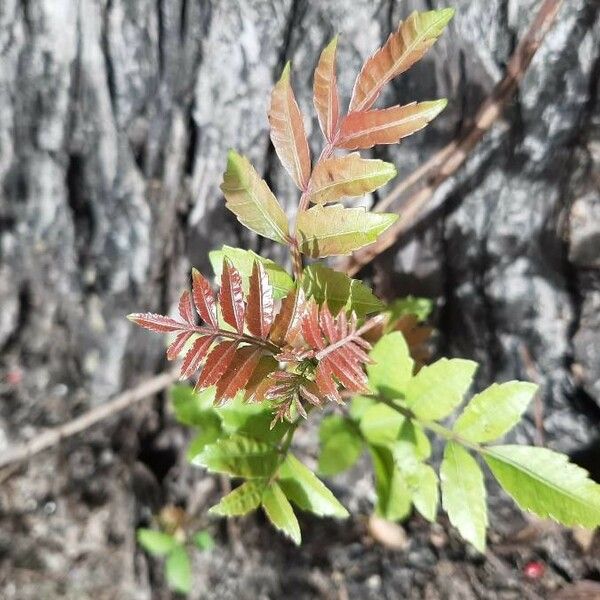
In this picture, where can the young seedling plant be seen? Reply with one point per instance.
(270, 348)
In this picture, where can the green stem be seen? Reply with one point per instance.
(436, 428)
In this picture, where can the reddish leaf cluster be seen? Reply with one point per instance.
(320, 352)
(230, 356)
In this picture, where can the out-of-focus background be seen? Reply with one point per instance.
(115, 120)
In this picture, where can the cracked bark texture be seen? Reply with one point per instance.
(115, 120)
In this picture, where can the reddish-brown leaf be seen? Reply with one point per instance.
(204, 298)
(259, 382)
(231, 297)
(186, 309)
(177, 344)
(195, 355)
(259, 310)
(287, 324)
(340, 350)
(325, 92)
(157, 323)
(239, 372)
(387, 126)
(402, 49)
(217, 362)
(310, 327)
(287, 131)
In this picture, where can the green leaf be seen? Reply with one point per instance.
(240, 501)
(204, 541)
(338, 291)
(463, 494)
(178, 571)
(306, 491)
(392, 366)
(420, 307)
(250, 199)
(334, 230)
(341, 445)
(280, 512)
(495, 411)
(546, 483)
(437, 389)
(193, 408)
(154, 542)
(421, 479)
(393, 496)
(209, 434)
(240, 457)
(347, 176)
(359, 406)
(381, 424)
(243, 260)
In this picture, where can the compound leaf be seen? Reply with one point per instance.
(239, 456)
(287, 131)
(178, 570)
(243, 261)
(307, 491)
(347, 176)
(325, 92)
(341, 445)
(280, 512)
(155, 542)
(392, 366)
(495, 411)
(240, 501)
(338, 291)
(463, 494)
(437, 389)
(402, 49)
(333, 230)
(387, 125)
(251, 201)
(546, 483)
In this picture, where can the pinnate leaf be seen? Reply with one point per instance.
(306, 491)
(341, 445)
(178, 571)
(495, 411)
(436, 390)
(350, 175)
(217, 363)
(339, 291)
(402, 49)
(243, 261)
(239, 456)
(287, 131)
(546, 483)
(393, 496)
(195, 355)
(335, 230)
(381, 424)
(387, 125)
(155, 542)
(392, 366)
(157, 323)
(239, 371)
(204, 299)
(240, 501)
(231, 297)
(259, 315)
(325, 92)
(463, 494)
(280, 512)
(250, 199)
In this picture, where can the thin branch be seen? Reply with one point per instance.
(51, 437)
(488, 113)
